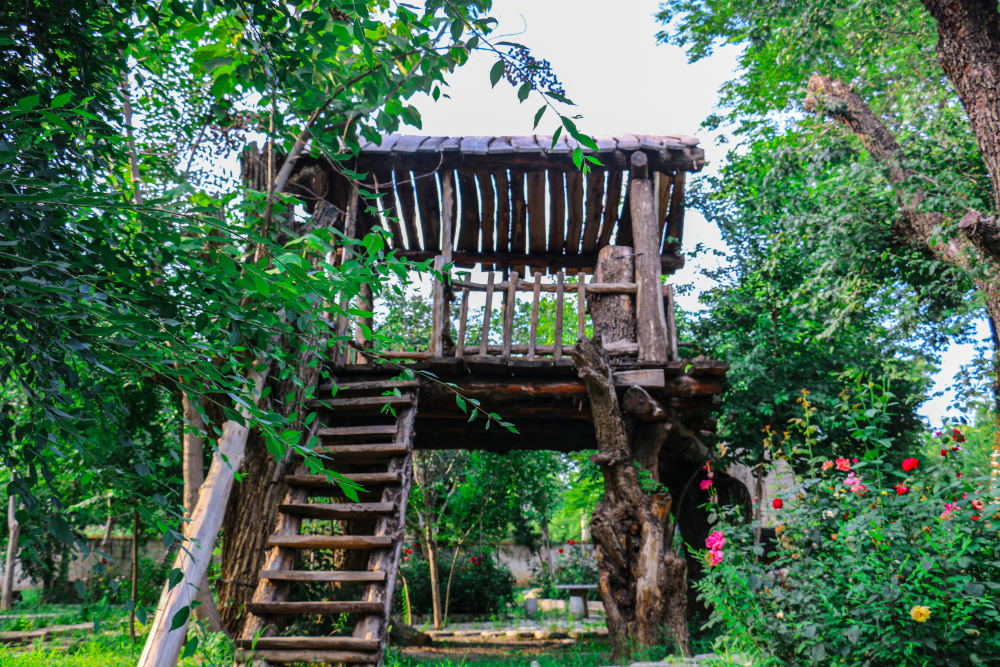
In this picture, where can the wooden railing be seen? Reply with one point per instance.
(501, 296)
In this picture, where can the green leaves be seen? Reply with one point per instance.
(496, 73)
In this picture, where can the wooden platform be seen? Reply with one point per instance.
(544, 398)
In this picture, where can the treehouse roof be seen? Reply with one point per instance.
(507, 202)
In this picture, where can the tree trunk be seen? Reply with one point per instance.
(429, 545)
(614, 314)
(642, 580)
(10, 565)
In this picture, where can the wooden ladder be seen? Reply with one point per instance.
(372, 449)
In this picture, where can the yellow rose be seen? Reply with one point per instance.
(920, 614)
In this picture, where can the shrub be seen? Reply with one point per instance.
(876, 561)
(481, 584)
(574, 564)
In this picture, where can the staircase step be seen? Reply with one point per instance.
(365, 451)
(337, 510)
(315, 575)
(367, 479)
(330, 541)
(359, 402)
(322, 643)
(372, 431)
(305, 656)
(370, 385)
(336, 607)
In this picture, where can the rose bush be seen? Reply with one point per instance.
(875, 562)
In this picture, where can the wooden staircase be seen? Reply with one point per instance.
(373, 449)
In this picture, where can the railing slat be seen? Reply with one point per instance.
(463, 318)
(508, 313)
(536, 294)
(487, 313)
(581, 305)
(557, 349)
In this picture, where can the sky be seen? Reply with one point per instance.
(623, 82)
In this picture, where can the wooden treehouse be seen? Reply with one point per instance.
(529, 232)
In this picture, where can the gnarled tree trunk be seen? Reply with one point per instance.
(642, 579)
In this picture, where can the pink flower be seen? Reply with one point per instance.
(854, 482)
(949, 510)
(716, 540)
(843, 465)
(705, 484)
(826, 465)
(714, 558)
(978, 504)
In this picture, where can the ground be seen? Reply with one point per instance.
(550, 642)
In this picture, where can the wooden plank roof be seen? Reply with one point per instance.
(517, 202)
(666, 153)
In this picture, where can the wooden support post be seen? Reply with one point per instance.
(536, 294)
(163, 645)
(668, 309)
(581, 305)
(10, 564)
(440, 316)
(484, 342)
(613, 314)
(508, 313)
(557, 349)
(463, 320)
(651, 323)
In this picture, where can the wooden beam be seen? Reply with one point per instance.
(163, 644)
(650, 320)
(546, 260)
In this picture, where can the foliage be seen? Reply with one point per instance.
(818, 282)
(481, 584)
(574, 564)
(877, 560)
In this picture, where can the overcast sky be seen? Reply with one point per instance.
(623, 82)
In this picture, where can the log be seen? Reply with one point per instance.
(574, 198)
(613, 314)
(611, 204)
(163, 645)
(535, 297)
(509, 306)
(557, 348)
(484, 340)
(651, 323)
(557, 212)
(537, 222)
(595, 209)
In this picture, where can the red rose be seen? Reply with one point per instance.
(944, 452)
(560, 550)
(777, 503)
(975, 517)
(910, 464)
(406, 558)
(571, 542)
(901, 490)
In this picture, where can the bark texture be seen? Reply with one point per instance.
(642, 580)
(968, 49)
